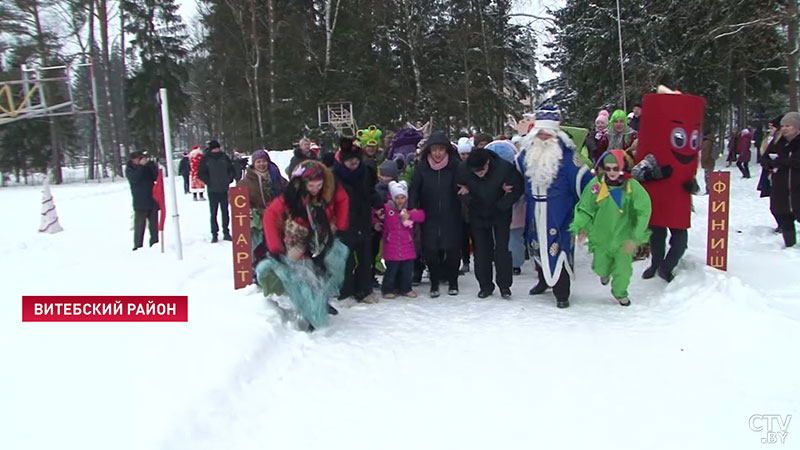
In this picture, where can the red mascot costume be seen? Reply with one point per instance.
(670, 134)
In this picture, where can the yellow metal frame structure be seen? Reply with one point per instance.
(25, 98)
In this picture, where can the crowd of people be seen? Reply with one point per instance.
(340, 219)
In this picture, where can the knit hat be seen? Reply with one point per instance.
(260, 154)
(464, 145)
(602, 117)
(369, 137)
(547, 118)
(791, 118)
(398, 188)
(138, 154)
(776, 122)
(212, 144)
(477, 159)
(388, 169)
(308, 171)
(347, 150)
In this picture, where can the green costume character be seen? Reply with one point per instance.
(614, 213)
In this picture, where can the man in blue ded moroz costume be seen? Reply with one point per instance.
(554, 180)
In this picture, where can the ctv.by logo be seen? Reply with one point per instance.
(776, 427)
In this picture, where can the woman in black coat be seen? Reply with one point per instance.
(784, 158)
(433, 189)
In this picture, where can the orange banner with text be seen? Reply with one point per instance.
(239, 199)
(718, 212)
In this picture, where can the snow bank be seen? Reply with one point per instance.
(684, 367)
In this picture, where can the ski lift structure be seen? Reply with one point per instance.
(28, 97)
(339, 115)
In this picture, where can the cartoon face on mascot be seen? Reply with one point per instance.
(671, 129)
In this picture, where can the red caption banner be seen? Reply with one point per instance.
(239, 199)
(55, 308)
(718, 206)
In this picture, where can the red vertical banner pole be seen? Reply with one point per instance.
(718, 213)
(239, 199)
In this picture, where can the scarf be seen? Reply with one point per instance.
(350, 176)
(440, 165)
(617, 140)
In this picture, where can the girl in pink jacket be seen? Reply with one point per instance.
(397, 226)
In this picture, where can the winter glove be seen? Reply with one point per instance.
(663, 172)
(691, 187)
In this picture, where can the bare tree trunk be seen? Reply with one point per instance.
(98, 135)
(55, 153)
(256, 51)
(102, 16)
(793, 50)
(466, 89)
(123, 77)
(331, 14)
(271, 31)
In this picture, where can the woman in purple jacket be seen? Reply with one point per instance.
(398, 242)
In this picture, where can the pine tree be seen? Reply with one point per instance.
(158, 39)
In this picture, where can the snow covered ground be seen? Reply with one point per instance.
(685, 366)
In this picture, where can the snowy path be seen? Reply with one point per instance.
(685, 366)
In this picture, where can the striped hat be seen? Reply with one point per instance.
(548, 118)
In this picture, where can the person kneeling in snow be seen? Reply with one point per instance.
(614, 212)
(306, 262)
(399, 250)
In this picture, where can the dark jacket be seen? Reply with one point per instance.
(239, 166)
(707, 153)
(184, 168)
(634, 123)
(359, 185)
(487, 201)
(297, 158)
(435, 192)
(785, 196)
(216, 171)
(142, 179)
(596, 147)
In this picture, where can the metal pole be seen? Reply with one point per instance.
(173, 197)
(621, 64)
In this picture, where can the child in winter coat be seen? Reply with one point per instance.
(399, 253)
(614, 212)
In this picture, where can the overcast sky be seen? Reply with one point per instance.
(188, 10)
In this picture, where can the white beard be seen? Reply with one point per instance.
(542, 161)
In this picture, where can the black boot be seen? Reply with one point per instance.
(665, 274)
(214, 239)
(562, 303)
(789, 236)
(227, 236)
(650, 272)
(331, 310)
(539, 288)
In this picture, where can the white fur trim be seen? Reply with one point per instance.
(566, 139)
(551, 125)
(581, 172)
